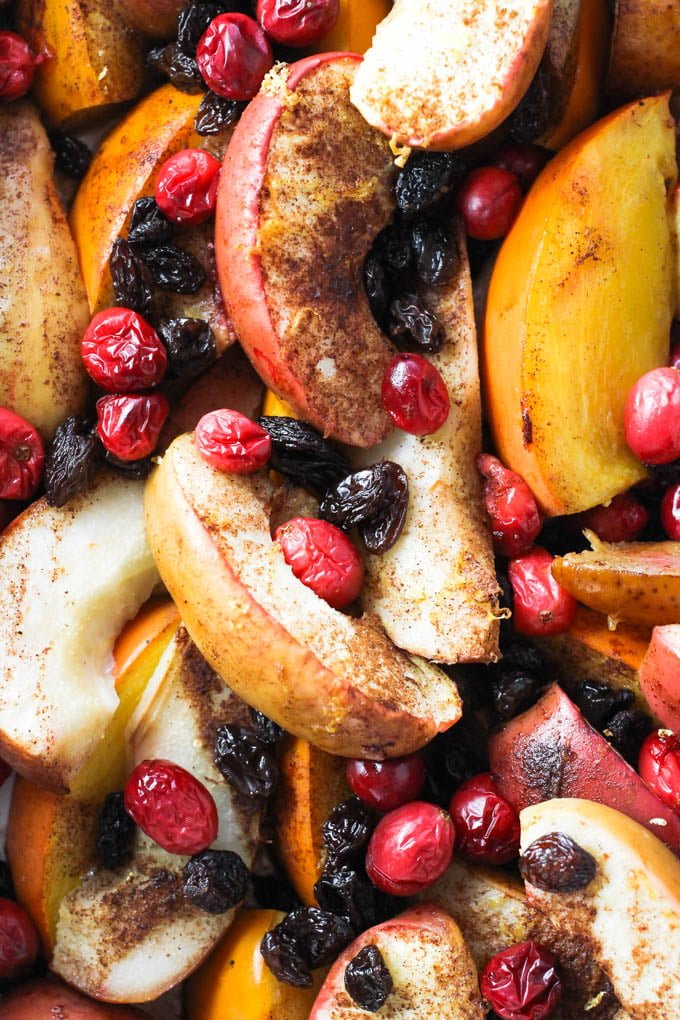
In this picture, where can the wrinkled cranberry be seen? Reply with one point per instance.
(659, 766)
(487, 827)
(540, 604)
(385, 785)
(415, 395)
(172, 807)
(510, 504)
(22, 456)
(129, 425)
(233, 56)
(297, 22)
(523, 160)
(652, 416)
(323, 558)
(231, 442)
(622, 521)
(122, 352)
(488, 201)
(522, 982)
(186, 188)
(410, 848)
(670, 512)
(18, 940)
(17, 66)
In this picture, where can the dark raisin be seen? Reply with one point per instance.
(665, 474)
(599, 702)
(266, 729)
(72, 157)
(307, 938)
(381, 532)
(302, 454)
(285, 960)
(348, 892)
(530, 120)
(375, 284)
(135, 470)
(174, 269)
(71, 461)
(451, 759)
(132, 281)
(392, 247)
(556, 863)
(216, 113)
(177, 67)
(191, 346)
(116, 832)
(347, 830)
(368, 982)
(148, 225)
(374, 498)
(192, 23)
(426, 178)
(412, 326)
(246, 761)
(6, 883)
(626, 732)
(513, 691)
(435, 255)
(215, 880)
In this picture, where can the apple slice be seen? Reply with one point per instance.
(629, 915)
(305, 188)
(432, 971)
(332, 679)
(660, 675)
(645, 52)
(551, 751)
(48, 999)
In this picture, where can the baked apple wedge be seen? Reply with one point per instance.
(335, 680)
(305, 188)
(660, 675)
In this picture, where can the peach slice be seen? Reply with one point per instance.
(306, 186)
(645, 53)
(660, 675)
(575, 313)
(47, 999)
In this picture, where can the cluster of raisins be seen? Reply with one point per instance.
(612, 712)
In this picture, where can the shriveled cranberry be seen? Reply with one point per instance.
(22, 456)
(652, 416)
(487, 826)
(122, 352)
(186, 188)
(322, 557)
(623, 520)
(659, 766)
(540, 604)
(670, 512)
(231, 442)
(129, 425)
(18, 940)
(415, 395)
(410, 848)
(488, 201)
(523, 160)
(510, 504)
(233, 56)
(171, 806)
(297, 22)
(385, 785)
(17, 66)
(522, 982)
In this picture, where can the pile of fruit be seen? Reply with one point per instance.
(340, 509)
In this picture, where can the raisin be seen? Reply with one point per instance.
(599, 702)
(530, 120)
(513, 691)
(71, 461)
(413, 327)
(374, 498)
(135, 470)
(216, 113)
(285, 960)
(626, 732)
(132, 281)
(266, 729)
(381, 532)
(450, 761)
(177, 67)
(116, 832)
(435, 255)
(392, 247)
(174, 269)
(190, 344)
(215, 880)
(375, 285)
(348, 892)
(148, 225)
(556, 863)
(368, 982)
(72, 157)
(307, 938)
(247, 762)
(347, 830)
(6, 883)
(192, 23)
(302, 454)
(427, 178)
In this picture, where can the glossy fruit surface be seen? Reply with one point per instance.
(122, 351)
(22, 456)
(18, 940)
(623, 520)
(670, 512)
(233, 56)
(386, 785)
(653, 416)
(511, 507)
(17, 66)
(522, 982)
(297, 22)
(171, 807)
(322, 557)
(659, 766)
(232, 442)
(415, 395)
(540, 605)
(487, 826)
(129, 425)
(410, 848)
(523, 160)
(488, 201)
(186, 187)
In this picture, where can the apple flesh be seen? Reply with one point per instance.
(660, 676)
(645, 52)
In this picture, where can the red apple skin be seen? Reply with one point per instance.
(660, 675)
(49, 999)
(551, 751)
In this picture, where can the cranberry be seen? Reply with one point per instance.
(522, 983)
(22, 456)
(171, 807)
(17, 66)
(487, 827)
(670, 512)
(231, 442)
(659, 766)
(186, 187)
(122, 352)
(385, 785)
(415, 395)
(410, 848)
(129, 425)
(297, 22)
(510, 504)
(523, 160)
(622, 521)
(488, 201)
(18, 940)
(652, 416)
(323, 558)
(540, 605)
(233, 56)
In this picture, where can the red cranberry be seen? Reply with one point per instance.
(522, 983)
(297, 22)
(622, 521)
(410, 848)
(386, 785)
(129, 425)
(540, 605)
(186, 188)
(231, 442)
(172, 807)
(22, 456)
(233, 56)
(122, 352)
(488, 201)
(659, 766)
(670, 512)
(323, 558)
(18, 940)
(510, 504)
(17, 66)
(415, 395)
(487, 827)
(653, 416)
(523, 160)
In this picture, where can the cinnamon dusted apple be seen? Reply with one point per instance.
(48, 998)
(660, 675)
